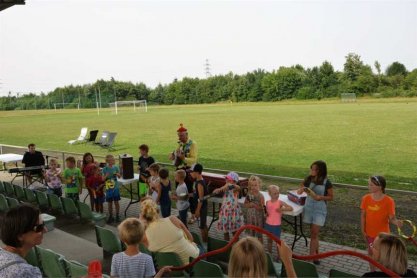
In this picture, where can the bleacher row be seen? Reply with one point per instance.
(53, 264)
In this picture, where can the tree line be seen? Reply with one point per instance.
(259, 85)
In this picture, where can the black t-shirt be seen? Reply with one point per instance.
(327, 184)
(143, 164)
(33, 159)
(410, 273)
(203, 183)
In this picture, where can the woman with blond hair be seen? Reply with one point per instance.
(390, 251)
(248, 259)
(166, 234)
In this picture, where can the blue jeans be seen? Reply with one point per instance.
(183, 216)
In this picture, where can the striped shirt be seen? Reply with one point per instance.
(140, 265)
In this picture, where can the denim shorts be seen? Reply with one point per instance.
(316, 217)
(274, 229)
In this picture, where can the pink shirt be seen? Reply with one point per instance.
(274, 217)
(54, 180)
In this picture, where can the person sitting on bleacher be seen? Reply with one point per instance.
(21, 230)
(53, 178)
(33, 158)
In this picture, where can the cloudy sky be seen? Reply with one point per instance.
(45, 44)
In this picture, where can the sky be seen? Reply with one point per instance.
(46, 44)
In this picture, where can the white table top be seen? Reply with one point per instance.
(10, 157)
(129, 181)
(297, 209)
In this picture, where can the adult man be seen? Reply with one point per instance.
(184, 157)
(33, 158)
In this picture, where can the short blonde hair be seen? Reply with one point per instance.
(392, 253)
(248, 259)
(181, 174)
(109, 156)
(254, 181)
(149, 210)
(131, 231)
(154, 167)
(273, 187)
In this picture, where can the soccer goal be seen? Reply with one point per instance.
(135, 105)
(62, 105)
(348, 97)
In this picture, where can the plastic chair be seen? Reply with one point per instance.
(12, 202)
(75, 269)
(69, 206)
(87, 214)
(108, 240)
(197, 239)
(339, 274)
(2, 190)
(19, 192)
(302, 269)
(55, 202)
(41, 199)
(29, 195)
(207, 269)
(4, 206)
(169, 258)
(51, 262)
(8, 189)
(274, 269)
(214, 244)
(81, 138)
(93, 136)
(103, 138)
(145, 250)
(31, 258)
(110, 141)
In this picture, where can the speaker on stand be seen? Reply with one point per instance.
(126, 166)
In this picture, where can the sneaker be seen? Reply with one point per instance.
(117, 218)
(110, 220)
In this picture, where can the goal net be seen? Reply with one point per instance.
(62, 105)
(129, 105)
(348, 97)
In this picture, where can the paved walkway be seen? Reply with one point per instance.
(348, 264)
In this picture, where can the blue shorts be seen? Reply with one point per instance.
(316, 217)
(112, 195)
(274, 229)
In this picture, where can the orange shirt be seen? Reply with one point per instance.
(377, 214)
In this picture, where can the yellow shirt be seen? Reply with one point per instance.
(164, 236)
(192, 156)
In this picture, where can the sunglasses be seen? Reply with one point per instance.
(39, 228)
(377, 180)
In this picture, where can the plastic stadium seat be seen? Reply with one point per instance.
(207, 269)
(86, 214)
(340, 274)
(31, 258)
(41, 199)
(144, 249)
(108, 240)
(69, 206)
(55, 202)
(197, 239)
(4, 206)
(75, 269)
(12, 202)
(302, 269)
(274, 269)
(51, 262)
(2, 190)
(169, 258)
(29, 195)
(221, 259)
(20, 194)
(8, 188)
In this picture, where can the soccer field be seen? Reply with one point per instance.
(355, 139)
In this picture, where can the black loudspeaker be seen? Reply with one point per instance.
(126, 163)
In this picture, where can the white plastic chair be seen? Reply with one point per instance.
(81, 138)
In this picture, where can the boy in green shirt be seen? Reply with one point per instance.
(73, 179)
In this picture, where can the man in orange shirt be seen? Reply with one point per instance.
(377, 211)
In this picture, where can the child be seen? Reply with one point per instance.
(319, 190)
(144, 162)
(95, 185)
(153, 181)
(163, 198)
(131, 262)
(73, 179)
(274, 209)
(111, 172)
(200, 192)
(230, 219)
(53, 178)
(377, 211)
(181, 195)
(254, 204)
(88, 169)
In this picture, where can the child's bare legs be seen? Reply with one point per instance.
(226, 236)
(204, 234)
(116, 204)
(269, 245)
(314, 242)
(100, 208)
(110, 220)
(96, 205)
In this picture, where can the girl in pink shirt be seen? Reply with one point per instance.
(274, 209)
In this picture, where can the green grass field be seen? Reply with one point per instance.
(355, 139)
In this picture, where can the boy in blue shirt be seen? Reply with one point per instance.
(110, 173)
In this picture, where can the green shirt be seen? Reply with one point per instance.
(72, 179)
